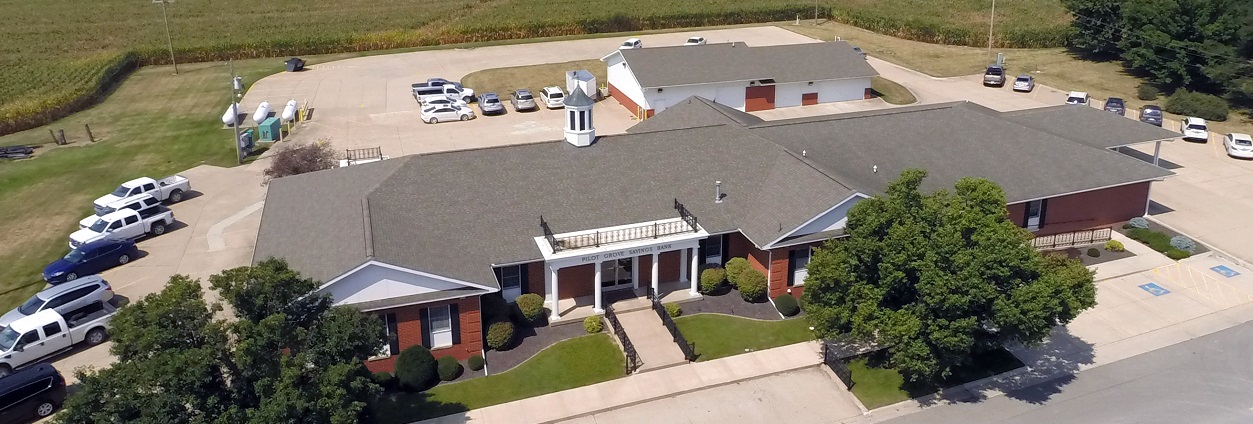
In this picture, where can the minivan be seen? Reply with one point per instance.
(31, 394)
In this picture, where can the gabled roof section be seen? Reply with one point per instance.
(578, 98)
(694, 112)
(726, 62)
(1090, 126)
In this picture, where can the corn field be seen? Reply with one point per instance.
(60, 56)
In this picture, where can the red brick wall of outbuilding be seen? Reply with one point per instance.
(1088, 210)
(409, 332)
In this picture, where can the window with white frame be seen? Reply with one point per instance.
(388, 321)
(799, 262)
(713, 250)
(511, 282)
(441, 326)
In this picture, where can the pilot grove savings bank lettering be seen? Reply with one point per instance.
(623, 253)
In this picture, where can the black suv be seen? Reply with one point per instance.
(1116, 105)
(1151, 114)
(30, 394)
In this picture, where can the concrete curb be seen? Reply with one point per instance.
(1213, 249)
(838, 382)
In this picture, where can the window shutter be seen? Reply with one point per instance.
(1026, 214)
(525, 277)
(791, 268)
(456, 323)
(393, 339)
(425, 318)
(1044, 207)
(700, 251)
(500, 279)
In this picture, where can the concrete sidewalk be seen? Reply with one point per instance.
(644, 387)
(652, 341)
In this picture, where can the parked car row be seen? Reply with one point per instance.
(1237, 145)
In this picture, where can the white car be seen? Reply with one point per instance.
(1077, 98)
(695, 41)
(443, 101)
(1239, 145)
(552, 97)
(631, 43)
(1195, 129)
(437, 114)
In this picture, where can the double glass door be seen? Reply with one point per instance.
(616, 273)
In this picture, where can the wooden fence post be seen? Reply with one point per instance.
(61, 134)
(54, 137)
(89, 135)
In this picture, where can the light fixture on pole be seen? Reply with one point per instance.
(168, 41)
(237, 84)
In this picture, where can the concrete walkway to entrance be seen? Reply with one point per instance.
(652, 341)
(644, 387)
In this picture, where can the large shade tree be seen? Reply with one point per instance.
(937, 278)
(288, 356)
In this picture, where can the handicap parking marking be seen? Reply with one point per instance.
(1226, 272)
(1154, 289)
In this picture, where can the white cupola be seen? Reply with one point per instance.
(579, 129)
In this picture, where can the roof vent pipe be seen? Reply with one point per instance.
(717, 191)
(874, 169)
(804, 153)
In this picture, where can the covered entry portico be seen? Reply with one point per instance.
(620, 256)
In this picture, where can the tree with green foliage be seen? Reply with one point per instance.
(1097, 26)
(1183, 43)
(936, 278)
(288, 356)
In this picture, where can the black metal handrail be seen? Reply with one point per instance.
(548, 233)
(633, 361)
(831, 357)
(686, 215)
(675, 334)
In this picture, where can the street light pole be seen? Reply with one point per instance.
(991, 21)
(236, 84)
(168, 41)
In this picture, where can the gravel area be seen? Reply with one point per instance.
(729, 302)
(529, 341)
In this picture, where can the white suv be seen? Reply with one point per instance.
(552, 97)
(1195, 129)
(1077, 98)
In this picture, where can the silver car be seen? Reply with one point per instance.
(1024, 83)
(63, 298)
(522, 99)
(490, 104)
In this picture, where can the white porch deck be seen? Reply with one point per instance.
(622, 301)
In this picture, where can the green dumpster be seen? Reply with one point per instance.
(270, 129)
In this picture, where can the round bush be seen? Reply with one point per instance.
(786, 304)
(1137, 222)
(711, 280)
(1183, 243)
(530, 308)
(1177, 254)
(475, 363)
(735, 269)
(449, 368)
(495, 308)
(415, 369)
(499, 335)
(1114, 246)
(384, 379)
(592, 324)
(1201, 105)
(1094, 252)
(752, 285)
(1147, 92)
(673, 310)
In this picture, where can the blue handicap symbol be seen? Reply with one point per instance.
(1226, 272)
(1154, 289)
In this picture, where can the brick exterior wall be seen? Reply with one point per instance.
(646, 270)
(627, 102)
(409, 332)
(738, 246)
(668, 272)
(535, 278)
(1089, 210)
(576, 281)
(779, 270)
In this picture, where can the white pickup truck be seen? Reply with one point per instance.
(124, 224)
(170, 188)
(47, 333)
(145, 204)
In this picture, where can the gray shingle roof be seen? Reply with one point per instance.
(710, 63)
(695, 112)
(1090, 126)
(578, 98)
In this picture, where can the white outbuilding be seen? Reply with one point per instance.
(647, 80)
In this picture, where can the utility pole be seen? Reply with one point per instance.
(168, 41)
(237, 84)
(990, 23)
(815, 12)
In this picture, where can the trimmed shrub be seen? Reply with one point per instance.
(1147, 92)
(1177, 254)
(415, 368)
(476, 363)
(673, 310)
(752, 285)
(530, 308)
(786, 304)
(1201, 105)
(592, 324)
(1137, 222)
(1094, 252)
(499, 335)
(495, 308)
(711, 280)
(735, 269)
(1114, 246)
(1183, 243)
(449, 368)
(384, 379)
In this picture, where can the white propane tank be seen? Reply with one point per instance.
(263, 111)
(231, 117)
(289, 112)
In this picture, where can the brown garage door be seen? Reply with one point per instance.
(809, 99)
(759, 98)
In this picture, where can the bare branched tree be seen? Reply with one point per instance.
(293, 159)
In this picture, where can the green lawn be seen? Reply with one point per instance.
(876, 384)
(572, 363)
(892, 92)
(718, 336)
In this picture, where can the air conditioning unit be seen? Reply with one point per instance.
(754, 83)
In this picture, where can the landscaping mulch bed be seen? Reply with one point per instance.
(1153, 225)
(529, 341)
(466, 374)
(728, 301)
(1081, 253)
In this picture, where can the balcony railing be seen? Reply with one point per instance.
(686, 223)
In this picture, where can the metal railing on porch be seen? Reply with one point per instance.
(633, 361)
(1071, 239)
(675, 334)
(687, 223)
(834, 360)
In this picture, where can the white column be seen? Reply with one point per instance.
(552, 278)
(635, 272)
(695, 278)
(596, 307)
(1157, 152)
(656, 284)
(682, 260)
